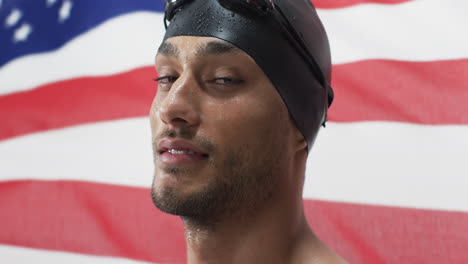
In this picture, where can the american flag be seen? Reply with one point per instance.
(387, 180)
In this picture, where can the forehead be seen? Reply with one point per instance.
(185, 47)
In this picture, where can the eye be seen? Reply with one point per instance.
(165, 82)
(165, 79)
(227, 81)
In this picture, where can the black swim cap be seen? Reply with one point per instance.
(303, 87)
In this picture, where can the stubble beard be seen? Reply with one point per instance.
(244, 182)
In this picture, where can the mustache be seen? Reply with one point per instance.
(200, 141)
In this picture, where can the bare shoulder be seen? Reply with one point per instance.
(324, 256)
(331, 258)
(314, 251)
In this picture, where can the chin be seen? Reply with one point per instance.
(172, 199)
(188, 198)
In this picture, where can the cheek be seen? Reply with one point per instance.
(248, 122)
(154, 115)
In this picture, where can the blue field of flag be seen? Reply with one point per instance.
(32, 26)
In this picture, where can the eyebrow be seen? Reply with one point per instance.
(215, 48)
(168, 49)
(208, 49)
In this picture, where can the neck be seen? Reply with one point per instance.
(275, 232)
(271, 233)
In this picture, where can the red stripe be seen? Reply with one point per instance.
(347, 3)
(88, 218)
(121, 221)
(416, 92)
(77, 101)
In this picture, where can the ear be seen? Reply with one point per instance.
(300, 143)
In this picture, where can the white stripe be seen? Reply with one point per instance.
(117, 152)
(393, 164)
(416, 31)
(120, 44)
(380, 163)
(420, 30)
(20, 255)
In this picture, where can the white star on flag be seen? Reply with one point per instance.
(50, 2)
(65, 10)
(13, 18)
(22, 33)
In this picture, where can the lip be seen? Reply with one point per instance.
(195, 153)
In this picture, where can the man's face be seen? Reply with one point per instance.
(219, 127)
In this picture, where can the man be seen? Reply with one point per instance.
(242, 92)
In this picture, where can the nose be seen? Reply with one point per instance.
(180, 106)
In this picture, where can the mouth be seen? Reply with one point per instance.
(180, 152)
